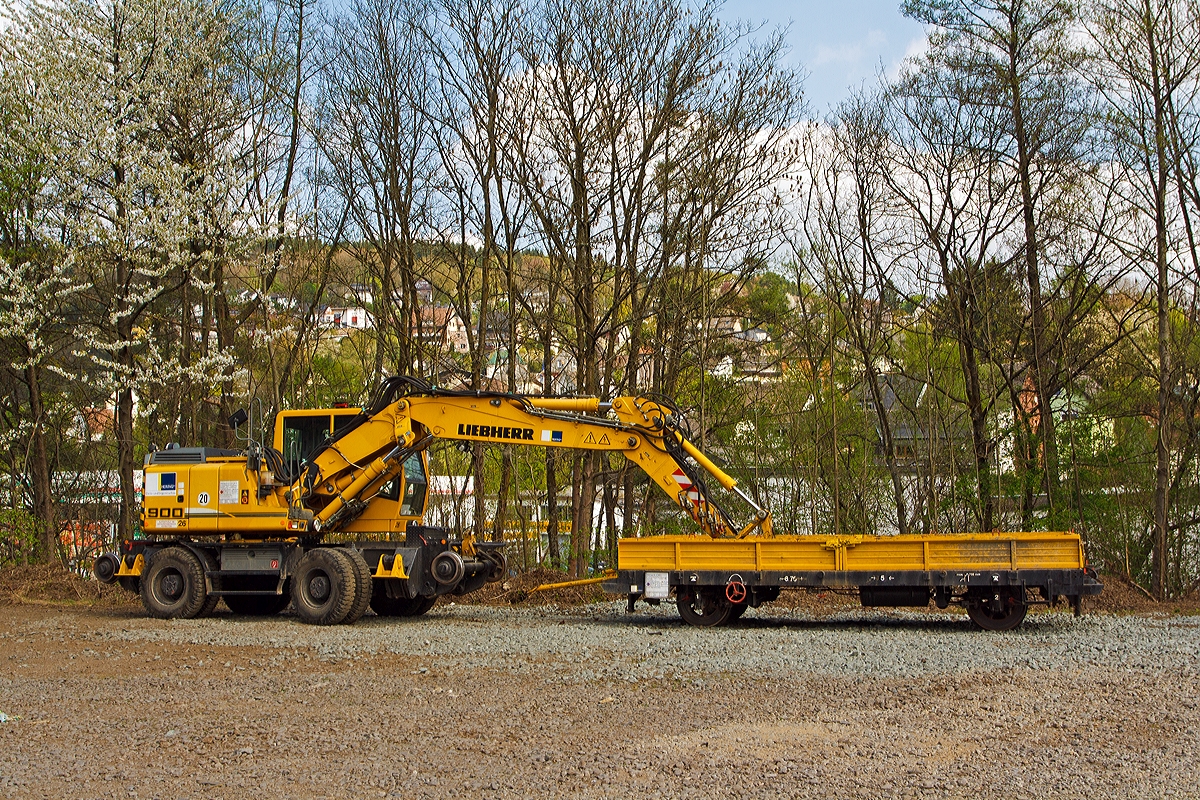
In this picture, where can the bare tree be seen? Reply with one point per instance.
(1149, 60)
(1017, 66)
(853, 234)
(378, 147)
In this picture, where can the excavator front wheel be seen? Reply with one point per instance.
(324, 587)
(362, 577)
(703, 607)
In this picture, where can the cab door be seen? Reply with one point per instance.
(400, 500)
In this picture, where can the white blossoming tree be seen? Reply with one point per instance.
(137, 118)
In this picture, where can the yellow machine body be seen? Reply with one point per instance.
(221, 495)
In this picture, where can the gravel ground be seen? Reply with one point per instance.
(481, 702)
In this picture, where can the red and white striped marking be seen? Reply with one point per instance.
(687, 486)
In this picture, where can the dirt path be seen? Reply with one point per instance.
(499, 702)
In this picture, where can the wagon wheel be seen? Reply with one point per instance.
(1001, 610)
(703, 607)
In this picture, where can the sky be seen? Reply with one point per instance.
(839, 45)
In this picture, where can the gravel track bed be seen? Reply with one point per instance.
(476, 701)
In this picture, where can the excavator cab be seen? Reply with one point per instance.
(297, 434)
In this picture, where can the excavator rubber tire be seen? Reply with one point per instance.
(362, 577)
(258, 605)
(211, 601)
(172, 585)
(324, 587)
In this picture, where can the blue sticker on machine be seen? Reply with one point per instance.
(166, 482)
(551, 436)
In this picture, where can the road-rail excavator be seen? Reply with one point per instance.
(328, 518)
(313, 519)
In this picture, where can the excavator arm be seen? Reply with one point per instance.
(407, 415)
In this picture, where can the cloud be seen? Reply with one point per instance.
(851, 53)
(916, 48)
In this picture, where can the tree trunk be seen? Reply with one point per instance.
(555, 552)
(576, 523)
(889, 447)
(47, 546)
(1162, 450)
(1040, 368)
(551, 455)
(125, 460)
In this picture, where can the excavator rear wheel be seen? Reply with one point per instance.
(703, 607)
(324, 587)
(172, 586)
(362, 577)
(211, 601)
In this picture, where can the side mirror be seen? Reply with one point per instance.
(238, 418)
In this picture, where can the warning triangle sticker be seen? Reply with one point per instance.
(589, 439)
(604, 439)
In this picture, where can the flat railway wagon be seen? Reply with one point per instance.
(995, 576)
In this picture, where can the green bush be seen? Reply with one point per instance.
(18, 537)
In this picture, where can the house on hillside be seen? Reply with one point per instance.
(903, 399)
(346, 317)
(1076, 425)
(722, 326)
(424, 292)
(756, 357)
(440, 328)
(91, 424)
(496, 367)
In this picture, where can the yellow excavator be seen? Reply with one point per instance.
(328, 516)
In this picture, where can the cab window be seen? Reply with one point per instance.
(305, 432)
(416, 486)
(302, 435)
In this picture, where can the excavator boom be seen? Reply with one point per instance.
(407, 415)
